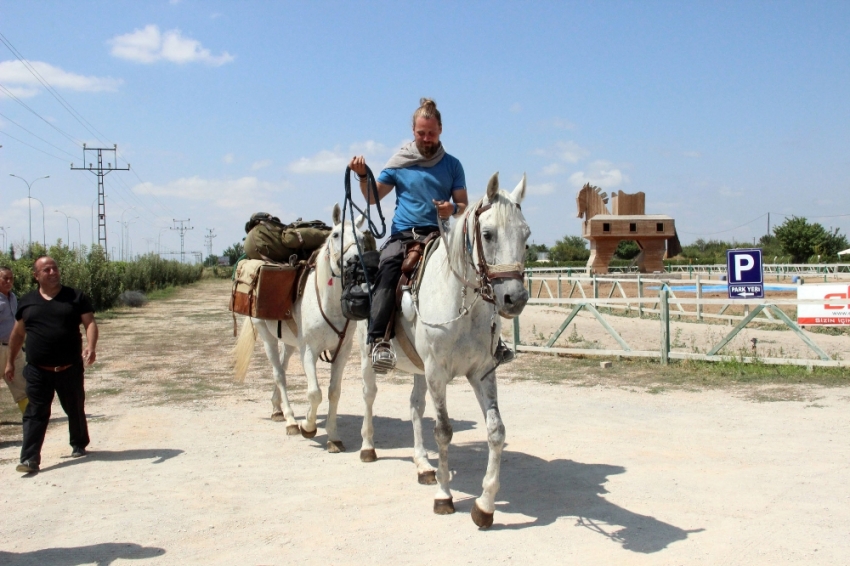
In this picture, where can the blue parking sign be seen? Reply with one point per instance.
(744, 274)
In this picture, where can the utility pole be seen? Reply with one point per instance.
(101, 171)
(768, 224)
(182, 230)
(209, 238)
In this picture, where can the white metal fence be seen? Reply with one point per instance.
(655, 296)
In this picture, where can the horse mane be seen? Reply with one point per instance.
(505, 211)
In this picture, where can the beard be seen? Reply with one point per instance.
(427, 150)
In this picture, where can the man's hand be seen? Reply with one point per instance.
(358, 165)
(9, 373)
(89, 356)
(445, 208)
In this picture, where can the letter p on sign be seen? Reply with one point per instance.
(743, 263)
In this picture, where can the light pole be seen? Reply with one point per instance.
(67, 228)
(159, 240)
(29, 204)
(3, 250)
(43, 229)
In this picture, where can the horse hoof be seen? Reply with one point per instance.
(368, 455)
(293, 430)
(481, 518)
(308, 433)
(428, 478)
(335, 446)
(278, 417)
(444, 506)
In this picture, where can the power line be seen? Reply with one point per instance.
(722, 231)
(35, 135)
(76, 115)
(62, 159)
(9, 93)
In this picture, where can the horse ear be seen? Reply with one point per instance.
(337, 214)
(493, 187)
(518, 193)
(358, 222)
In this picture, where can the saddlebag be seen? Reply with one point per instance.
(264, 290)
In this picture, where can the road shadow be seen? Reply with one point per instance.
(102, 554)
(551, 490)
(390, 433)
(158, 455)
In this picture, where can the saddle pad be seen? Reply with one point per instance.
(263, 290)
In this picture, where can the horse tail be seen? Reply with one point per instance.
(243, 349)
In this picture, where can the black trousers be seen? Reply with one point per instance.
(41, 387)
(386, 281)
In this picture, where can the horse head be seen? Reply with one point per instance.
(591, 201)
(501, 232)
(344, 240)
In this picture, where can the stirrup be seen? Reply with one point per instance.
(383, 357)
(503, 354)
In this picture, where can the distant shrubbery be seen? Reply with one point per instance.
(104, 281)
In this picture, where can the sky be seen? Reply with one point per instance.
(721, 112)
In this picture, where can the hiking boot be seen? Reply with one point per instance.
(503, 354)
(78, 452)
(27, 467)
(383, 357)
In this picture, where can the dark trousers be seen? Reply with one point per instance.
(41, 386)
(386, 281)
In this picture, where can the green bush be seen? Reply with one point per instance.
(101, 280)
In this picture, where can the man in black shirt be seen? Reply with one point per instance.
(49, 318)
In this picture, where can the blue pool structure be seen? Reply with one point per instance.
(720, 288)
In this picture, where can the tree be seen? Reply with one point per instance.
(627, 249)
(570, 248)
(234, 252)
(534, 250)
(802, 240)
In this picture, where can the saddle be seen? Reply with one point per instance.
(413, 264)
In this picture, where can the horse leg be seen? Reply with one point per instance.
(487, 394)
(279, 364)
(314, 393)
(424, 471)
(443, 435)
(335, 445)
(370, 391)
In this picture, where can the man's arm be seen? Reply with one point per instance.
(358, 165)
(461, 200)
(16, 342)
(89, 353)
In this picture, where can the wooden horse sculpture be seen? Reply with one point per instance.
(655, 234)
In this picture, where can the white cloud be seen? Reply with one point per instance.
(561, 124)
(228, 158)
(243, 193)
(262, 164)
(728, 192)
(541, 189)
(149, 45)
(568, 151)
(336, 160)
(600, 173)
(553, 169)
(22, 83)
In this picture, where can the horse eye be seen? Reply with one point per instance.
(336, 234)
(487, 236)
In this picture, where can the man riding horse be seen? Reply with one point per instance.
(428, 183)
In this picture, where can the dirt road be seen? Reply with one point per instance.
(186, 467)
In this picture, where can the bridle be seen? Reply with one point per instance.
(487, 273)
(332, 259)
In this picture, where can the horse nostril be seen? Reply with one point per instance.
(508, 300)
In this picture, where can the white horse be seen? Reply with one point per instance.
(455, 329)
(317, 325)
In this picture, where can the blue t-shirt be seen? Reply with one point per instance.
(416, 187)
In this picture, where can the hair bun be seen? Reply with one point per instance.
(423, 102)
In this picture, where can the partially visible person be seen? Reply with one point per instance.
(49, 318)
(8, 307)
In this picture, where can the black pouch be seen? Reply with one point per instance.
(356, 302)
